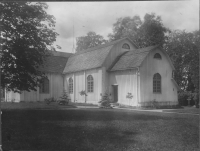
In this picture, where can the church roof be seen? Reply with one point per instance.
(92, 58)
(56, 62)
(132, 59)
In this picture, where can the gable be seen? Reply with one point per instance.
(118, 50)
(132, 59)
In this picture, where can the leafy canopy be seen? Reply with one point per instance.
(91, 40)
(183, 49)
(144, 33)
(26, 32)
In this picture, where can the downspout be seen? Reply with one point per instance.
(138, 70)
(85, 85)
(74, 87)
(63, 82)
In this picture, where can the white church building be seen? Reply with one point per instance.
(116, 68)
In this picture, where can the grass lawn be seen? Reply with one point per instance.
(98, 130)
(186, 109)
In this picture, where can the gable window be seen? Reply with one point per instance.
(44, 86)
(157, 83)
(157, 56)
(126, 46)
(90, 84)
(173, 74)
(70, 85)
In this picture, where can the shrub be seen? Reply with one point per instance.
(105, 101)
(184, 96)
(83, 93)
(64, 99)
(49, 100)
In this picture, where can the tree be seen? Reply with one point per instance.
(144, 33)
(91, 40)
(27, 31)
(151, 32)
(183, 49)
(126, 26)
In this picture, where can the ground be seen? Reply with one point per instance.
(89, 129)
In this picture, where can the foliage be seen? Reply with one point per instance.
(64, 99)
(105, 101)
(83, 93)
(126, 26)
(183, 49)
(144, 33)
(185, 95)
(91, 40)
(129, 95)
(49, 100)
(27, 31)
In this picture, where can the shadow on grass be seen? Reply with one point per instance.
(63, 130)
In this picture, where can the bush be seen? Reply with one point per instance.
(105, 101)
(49, 100)
(64, 99)
(184, 96)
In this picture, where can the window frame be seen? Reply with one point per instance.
(44, 86)
(157, 56)
(70, 85)
(124, 46)
(157, 83)
(90, 84)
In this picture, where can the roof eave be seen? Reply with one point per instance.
(122, 69)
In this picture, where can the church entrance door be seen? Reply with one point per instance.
(115, 93)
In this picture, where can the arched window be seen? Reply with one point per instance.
(157, 56)
(44, 86)
(70, 85)
(126, 46)
(90, 84)
(157, 83)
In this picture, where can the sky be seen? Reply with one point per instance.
(82, 17)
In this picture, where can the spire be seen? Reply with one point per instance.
(73, 48)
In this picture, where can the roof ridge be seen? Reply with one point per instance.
(87, 51)
(136, 52)
(99, 46)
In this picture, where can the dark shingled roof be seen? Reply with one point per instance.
(56, 62)
(88, 60)
(132, 59)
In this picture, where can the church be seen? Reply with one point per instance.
(117, 68)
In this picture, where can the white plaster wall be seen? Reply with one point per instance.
(80, 83)
(12, 96)
(127, 82)
(55, 90)
(149, 67)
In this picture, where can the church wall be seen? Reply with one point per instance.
(149, 67)
(10, 96)
(127, 83)
(55, 90)
(80, 83)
